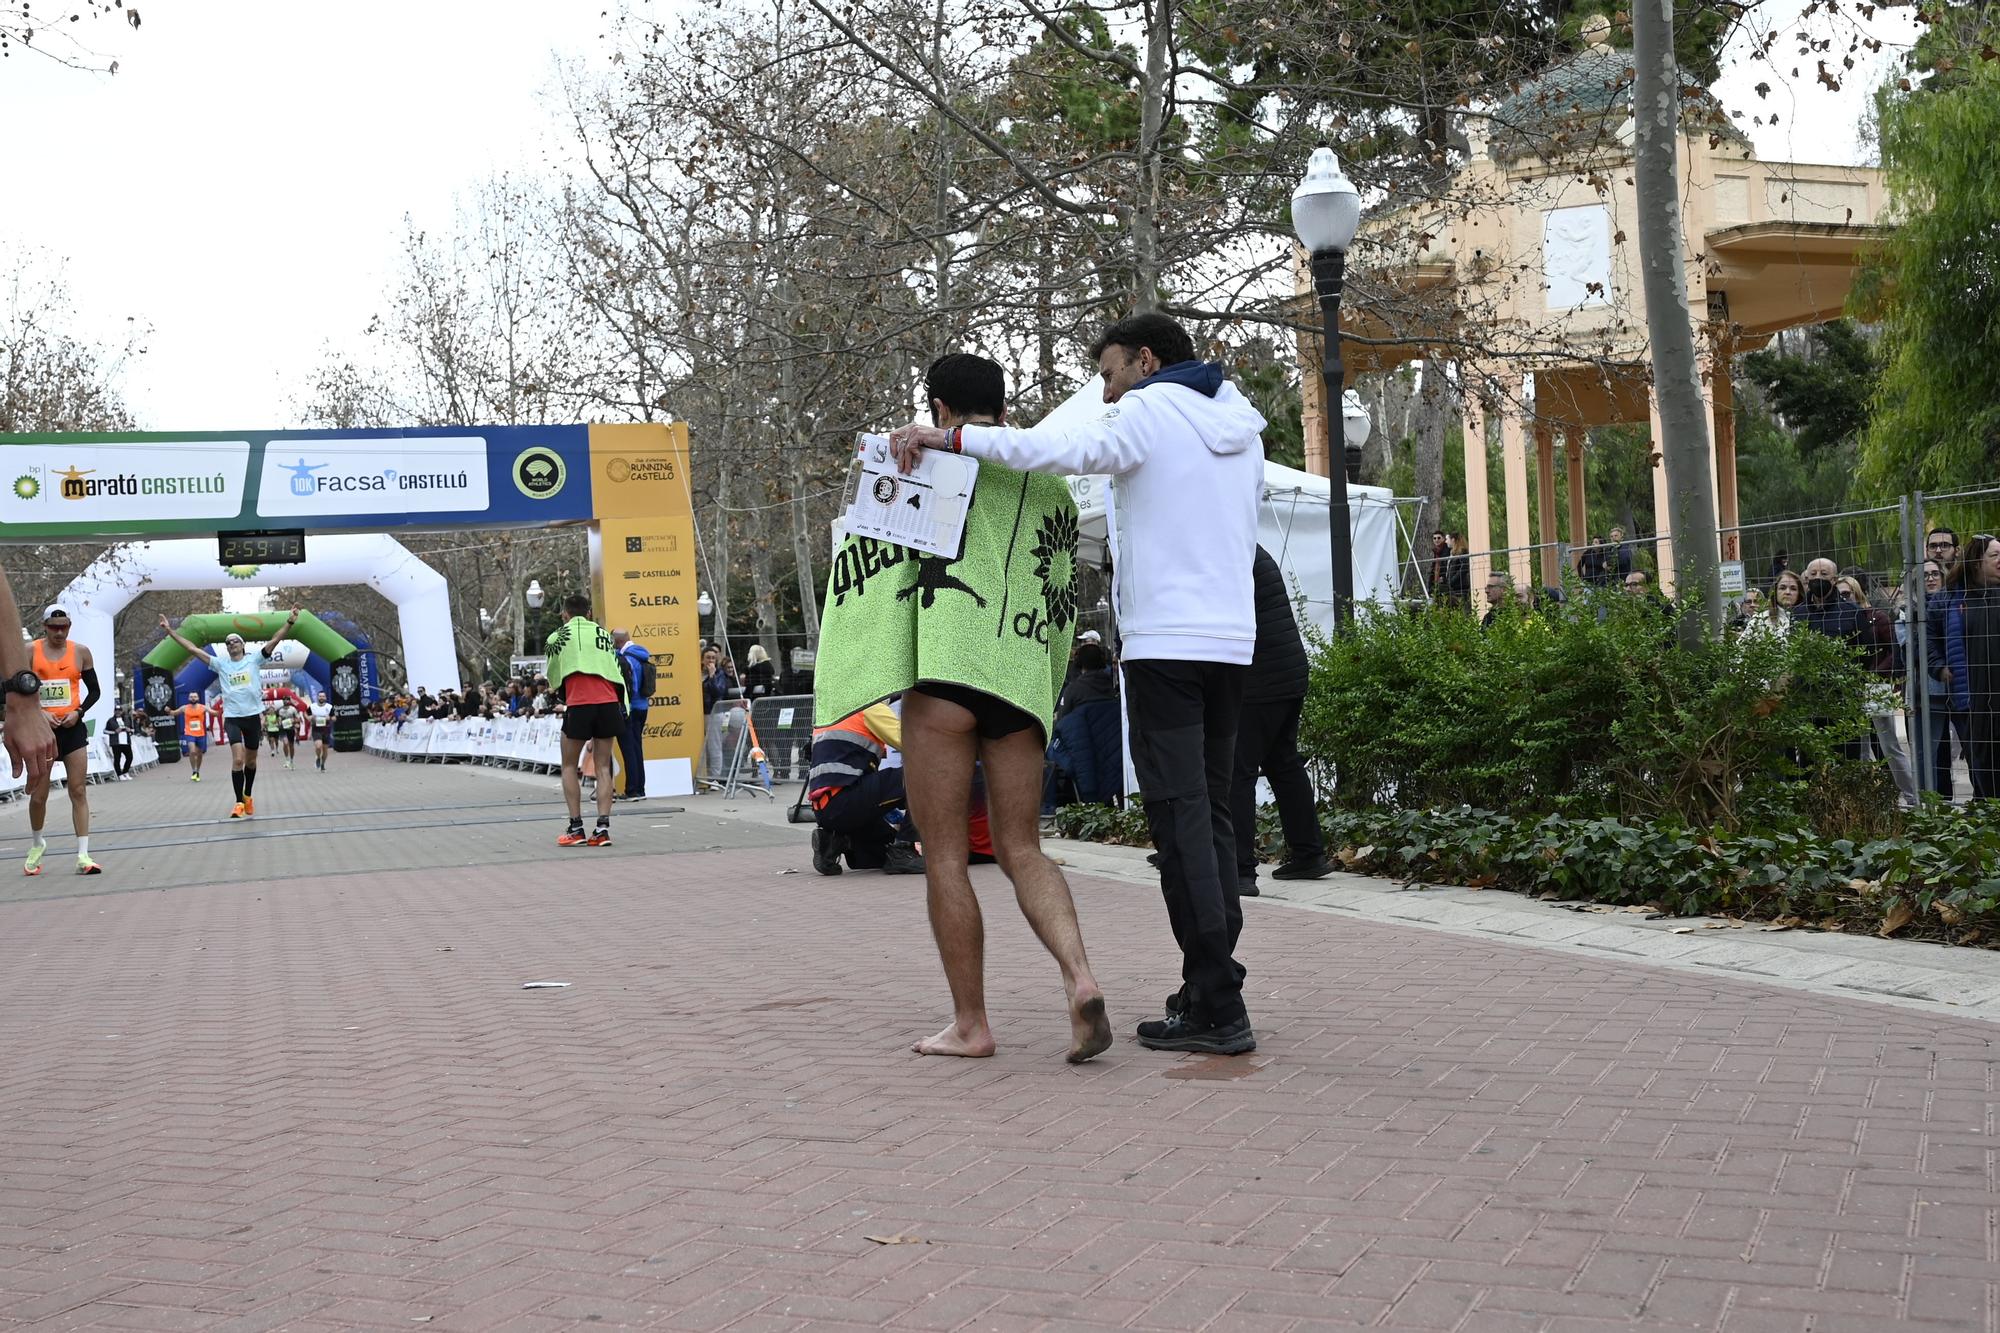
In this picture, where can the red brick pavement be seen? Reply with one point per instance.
(326, 1103)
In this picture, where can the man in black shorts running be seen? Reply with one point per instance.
(583, 665)
(322, 725)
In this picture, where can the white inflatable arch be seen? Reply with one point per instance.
(418, 592)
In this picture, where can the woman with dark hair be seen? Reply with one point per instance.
(1972, 656)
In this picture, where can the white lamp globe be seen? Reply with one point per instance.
(1326, 208)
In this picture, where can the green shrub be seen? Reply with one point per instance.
(1589, 710)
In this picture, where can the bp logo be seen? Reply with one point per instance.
(539, 472)
(346, 682)
(27, 486)
(244, 573)
(159, 692)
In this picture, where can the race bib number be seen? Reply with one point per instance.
(56, 697)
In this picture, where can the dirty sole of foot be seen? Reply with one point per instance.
(1099, 1040)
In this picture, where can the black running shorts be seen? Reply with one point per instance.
(247, 732)
(594, 722)
(71, 738)
(992, 717)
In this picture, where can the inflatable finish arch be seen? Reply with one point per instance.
(418, 592)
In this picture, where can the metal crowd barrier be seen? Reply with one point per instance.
(782, 726)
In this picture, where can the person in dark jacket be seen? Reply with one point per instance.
(1267, 741)
(1825, 611)
(1972, 652)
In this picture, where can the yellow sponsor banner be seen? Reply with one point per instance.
(645, 577)
(646, 587)
(639, 471)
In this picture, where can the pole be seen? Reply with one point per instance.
(1329, 268)
(1917, 675)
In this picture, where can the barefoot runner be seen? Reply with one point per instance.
(69, 688)
(584, 665)
(980, 645)
(239, 673)
(194, 734)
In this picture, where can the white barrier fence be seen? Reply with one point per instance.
(511, 742)
(145, 754)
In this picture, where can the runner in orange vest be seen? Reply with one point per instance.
(69, 688)
(194, 734)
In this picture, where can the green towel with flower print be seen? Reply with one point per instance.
(999, 619)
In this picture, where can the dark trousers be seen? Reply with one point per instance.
(121, 758)
(1982, 751)
(1944, 722)
(861, 812)
(1267, 741)
(1183, 717)
(632, 752)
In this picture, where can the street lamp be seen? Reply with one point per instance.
(1355, 423)
(534, 594)
(704, 606)
(1326, 209)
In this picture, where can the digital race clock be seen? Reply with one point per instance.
(287, 547)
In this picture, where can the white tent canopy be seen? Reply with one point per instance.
(1293, 525)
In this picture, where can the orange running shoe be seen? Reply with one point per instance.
(572, 838)
(249, 806)
(236, 811)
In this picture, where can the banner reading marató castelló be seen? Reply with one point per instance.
(999, 619)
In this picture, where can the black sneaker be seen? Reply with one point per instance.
(901, 860)
(1177, 1003)
(1317, 868)
(827, 847)
(1187, 1032)
(1153, 859)
(1247, 888)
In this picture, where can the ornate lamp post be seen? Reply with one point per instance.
(1326, 210)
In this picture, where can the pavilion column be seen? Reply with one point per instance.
(1548, 533)
(1478, 519)
(1722, 429)
(1579, 534)
(1514, 475)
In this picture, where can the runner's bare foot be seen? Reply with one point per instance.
(974, 1045)
(1090, 1029)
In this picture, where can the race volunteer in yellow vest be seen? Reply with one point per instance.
(583, 666)
(68, 689)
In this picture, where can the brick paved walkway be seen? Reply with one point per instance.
(327, 1103)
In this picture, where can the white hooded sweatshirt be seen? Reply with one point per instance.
(1186, 459)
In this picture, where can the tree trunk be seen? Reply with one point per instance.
(720, 557)
(1152, 124)
(1433, 407)
(803, 539)
(1684, 444)
(763, 585)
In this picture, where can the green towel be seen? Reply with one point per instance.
(1000, 619)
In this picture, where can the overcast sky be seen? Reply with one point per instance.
(240, 184)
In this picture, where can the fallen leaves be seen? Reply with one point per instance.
(1897, 917)
(897, 1239)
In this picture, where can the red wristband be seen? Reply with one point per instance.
(957, 439)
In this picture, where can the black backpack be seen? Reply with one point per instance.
(649, 678)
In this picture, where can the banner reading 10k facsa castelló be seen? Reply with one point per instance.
(630, 481)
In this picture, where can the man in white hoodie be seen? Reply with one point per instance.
(1184, 451)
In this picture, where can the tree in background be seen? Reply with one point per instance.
(1937, 285)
